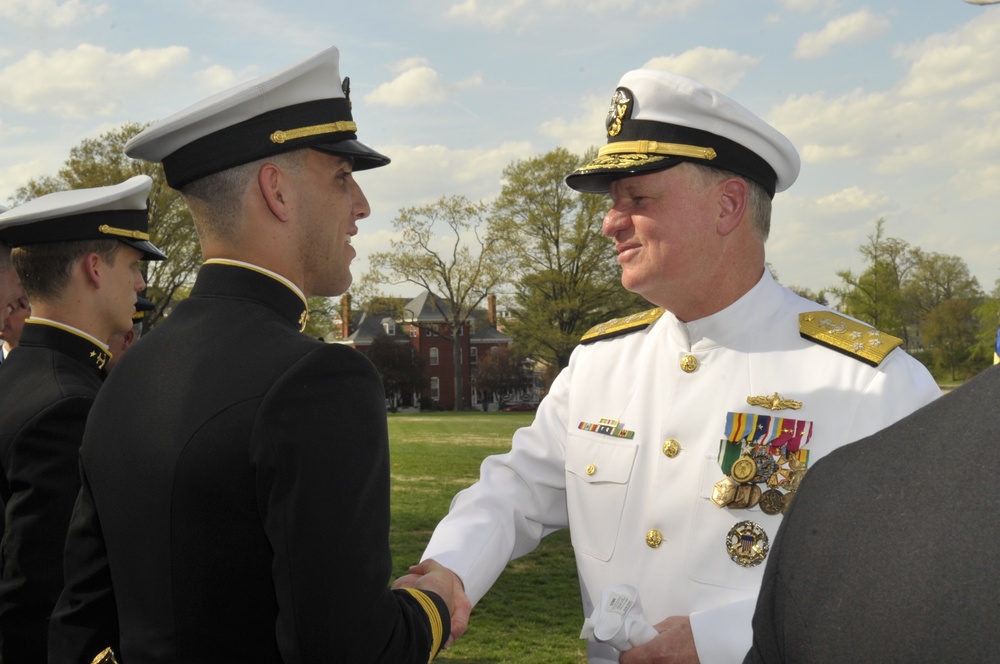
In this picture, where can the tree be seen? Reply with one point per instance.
(988, 314)
(876, 295)
(459, 264)
(567, 277)
(399, 365)
(937, 278)
(950, 331)
(102, 162)
(502, 370)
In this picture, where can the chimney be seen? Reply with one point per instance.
(345, 316)
(491, 311)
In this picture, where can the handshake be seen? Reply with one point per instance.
(436, 578)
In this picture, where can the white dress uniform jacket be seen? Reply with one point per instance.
(611, 491)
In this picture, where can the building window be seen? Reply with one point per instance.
(435, 388)
(389, 325)
(473, 356)
(413, 331)
(434, 357)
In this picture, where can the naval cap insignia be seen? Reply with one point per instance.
(747, 544)
(621, 109)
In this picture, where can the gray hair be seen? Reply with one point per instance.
(758, 202)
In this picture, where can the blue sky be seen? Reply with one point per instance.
(894, 105)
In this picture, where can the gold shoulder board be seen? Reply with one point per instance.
(847, 336)
(620, 326)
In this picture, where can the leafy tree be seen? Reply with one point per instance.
(988, 314)
(102, 162)
(460, 264)
(950, 331)
(567, 277)
(876, 294)
(818, 298)
(937, 278)
(399, 364)
(502, 370)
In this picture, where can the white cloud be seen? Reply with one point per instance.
(495, 14)
(492, 13)
(852, 199)
(419, 175)
(656, 8)
(416, 86)
(809, 5)
(964, 59)
(720, 68)
(856, 28)
(215, 77)
(50, 13)
(585, 131)
(87, 81)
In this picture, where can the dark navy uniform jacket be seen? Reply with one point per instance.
(47, 387)
(889, 550)
(235, 497)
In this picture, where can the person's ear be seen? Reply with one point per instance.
(92, 266)
(275, 187)
(734, 197)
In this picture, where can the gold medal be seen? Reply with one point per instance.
(755, 495)
(742, 498)
(794, 480)
(743, 469)
(724, 491)
(772, 502)
(747, 544)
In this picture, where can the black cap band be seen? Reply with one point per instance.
(318, 122)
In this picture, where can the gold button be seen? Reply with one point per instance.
(591, 469)
(689, 363)
(671, 448)
(654, 538)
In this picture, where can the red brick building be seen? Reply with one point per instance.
(422, 325)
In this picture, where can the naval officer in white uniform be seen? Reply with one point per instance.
(674, 439)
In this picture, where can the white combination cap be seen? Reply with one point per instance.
(658, 119)
(302, 106)
(117, 212)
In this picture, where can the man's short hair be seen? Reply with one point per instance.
(45, 269)
(216, 200)
(758, 202)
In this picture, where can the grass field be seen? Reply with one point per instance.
(532, 614)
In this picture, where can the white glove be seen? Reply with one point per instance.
(617, 620)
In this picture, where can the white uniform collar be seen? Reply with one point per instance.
(726, 326)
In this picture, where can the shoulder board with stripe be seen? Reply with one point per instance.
(847, 336)
(619, 326)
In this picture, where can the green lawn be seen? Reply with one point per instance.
(532, 614)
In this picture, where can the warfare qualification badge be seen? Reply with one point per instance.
(747, 544)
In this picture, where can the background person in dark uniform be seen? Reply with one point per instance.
(10, 333)
(10, 285)
(82, 281)
(251, 523)
(889, 552)
(120, 342)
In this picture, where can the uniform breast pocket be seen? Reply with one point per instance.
(708, 560)
(597, 476)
